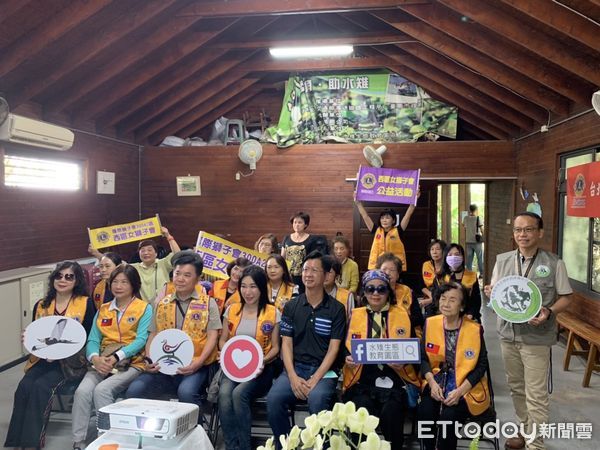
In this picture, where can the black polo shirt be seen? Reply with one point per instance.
(312, 329)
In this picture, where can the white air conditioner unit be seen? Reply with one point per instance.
(26, 131)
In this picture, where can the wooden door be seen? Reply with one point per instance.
(421, 229)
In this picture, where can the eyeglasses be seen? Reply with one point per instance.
(66, 276)
(381, 289)
(526, 230)
(311, 270)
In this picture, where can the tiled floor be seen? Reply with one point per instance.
(569, 401)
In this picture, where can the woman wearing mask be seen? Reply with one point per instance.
(256, 317)
(454, 270)
(225, 292)
(115, 349)
(281, 288)
(432, 271)
(66, 296)
(108, 263)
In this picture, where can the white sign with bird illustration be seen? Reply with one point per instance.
(171, 349)
(54, 337)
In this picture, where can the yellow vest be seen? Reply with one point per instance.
(468, 280)
(219, 291)
(194, 324)
(75, 310)
(124, 331)
(467, 354)
(428, 273)
(403, 296)
(99, 293)
(264, 326)
(284, 294)
(341, 295)
(383, 243)
(170, 289)
(397, 326)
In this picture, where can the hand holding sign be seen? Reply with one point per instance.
(54, 337)
(171, 350)
(241, 359)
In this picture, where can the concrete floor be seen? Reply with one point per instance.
(569, 402)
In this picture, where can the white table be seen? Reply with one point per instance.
(195, 439)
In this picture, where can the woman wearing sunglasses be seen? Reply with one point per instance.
(66, 296)
(453, 364)
(380, 388)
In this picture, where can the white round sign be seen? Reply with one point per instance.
(54, 337)
(241, 358)
(516, 299)
(171, 349)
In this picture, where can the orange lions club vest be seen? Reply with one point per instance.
(264, 325)
(122, 331)
(341, 295)
(195, 322)
(468, 280)
(99, 293)
(468, 348)
(397, 326)
(219, 291)
(75, 310)
(428, 273)
(383, 243)
(284, 294)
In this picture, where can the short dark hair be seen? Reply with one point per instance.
(132, 276)
(148, 242)
(301, 215)
(388, 212)
(79, 288)
(115, 258)
(473, 207)
(533, 215)
(188, 257)
(240, 262)
(389, 256)
(259, 276)
(433, 242)
(329, 260)
(448, 287)
(446, 268)
(342, 240)
(325, 262)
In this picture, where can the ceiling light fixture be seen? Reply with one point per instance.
(308, 52)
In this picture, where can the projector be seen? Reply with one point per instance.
(149, 418)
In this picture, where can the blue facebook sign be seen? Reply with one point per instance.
(384, 351)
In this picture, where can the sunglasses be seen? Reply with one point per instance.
(66, 276)
(381, 289)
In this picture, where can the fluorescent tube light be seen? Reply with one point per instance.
(316, 51)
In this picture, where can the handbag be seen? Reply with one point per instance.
(478, 235)
(123, 364)
(75, 366)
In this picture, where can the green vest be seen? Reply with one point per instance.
(543, 274)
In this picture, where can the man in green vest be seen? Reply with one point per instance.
(526, 347)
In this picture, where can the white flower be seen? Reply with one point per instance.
(336, 442)
(268, 445)
(371, 443)
(312, 423)
(361, 422)
(292, 440)
(340, 414)
(325, 419)
(318, 443)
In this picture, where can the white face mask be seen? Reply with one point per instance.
(454, 261)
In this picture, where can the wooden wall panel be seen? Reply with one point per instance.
(498, 233)
(309, 178)
(537, 160)
(44, 226)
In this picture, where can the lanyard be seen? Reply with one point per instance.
(183, 313)
(519, 269)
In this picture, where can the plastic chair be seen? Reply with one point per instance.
(235, 131)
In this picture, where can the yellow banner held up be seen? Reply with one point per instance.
(217, 253)
(125, 233)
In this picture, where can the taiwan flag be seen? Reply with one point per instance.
(432, 348)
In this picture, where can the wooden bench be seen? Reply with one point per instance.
(579, 330)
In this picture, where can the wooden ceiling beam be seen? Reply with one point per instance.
(10, 8)
(130, 55)
(472, 129)
(481, 63)
(477, 81)
(368, 37)
(192, 102)
(461, 88)
(89, 46)
(484, 126)
(561, 19)
(201, 108)
(303, 65)
(480, 39)
(143, 73)
(207, 119)
(447, 95)
(216, 8)
(588, 8)
(519, 32)
(56, 26)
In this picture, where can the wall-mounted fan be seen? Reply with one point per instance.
(374, 155)
(250, 152)
(595, 102)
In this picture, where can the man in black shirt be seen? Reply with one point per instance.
(312, 327)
